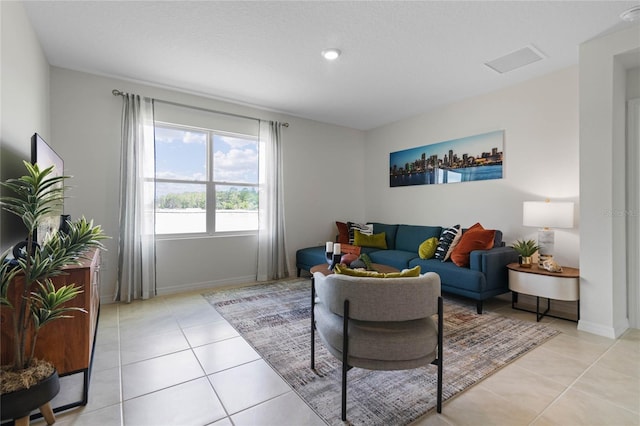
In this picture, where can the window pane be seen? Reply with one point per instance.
(181, 208)
(181, 154)
(236, 208)
(235, 159)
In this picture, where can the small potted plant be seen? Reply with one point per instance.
(525, 249)
(37, 194)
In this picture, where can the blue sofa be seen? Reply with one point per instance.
(485, 277)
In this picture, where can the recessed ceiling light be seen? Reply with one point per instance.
(631, 15)
(331, 54)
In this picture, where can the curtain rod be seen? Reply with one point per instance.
(116, 92)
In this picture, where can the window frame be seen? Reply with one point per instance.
(210, 184)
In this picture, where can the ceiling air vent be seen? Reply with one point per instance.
(514, 60)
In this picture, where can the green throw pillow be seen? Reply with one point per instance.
(375, 240)
(428, 248)
(344, 270)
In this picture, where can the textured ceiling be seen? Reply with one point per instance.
(399, 58)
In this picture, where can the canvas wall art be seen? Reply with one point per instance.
(467, 159)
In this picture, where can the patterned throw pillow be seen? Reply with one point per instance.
(453, 245)
(446, 241)
(366, 229)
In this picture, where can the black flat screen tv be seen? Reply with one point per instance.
(45, 156)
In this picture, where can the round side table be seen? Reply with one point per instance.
(539, 282)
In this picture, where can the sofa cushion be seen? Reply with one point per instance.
(475, 238)
(390, 233)
(452, 275)
(409, 237)
(368, 250)
(397, 258)
(375, 240)
(309, 257)
(428, 248)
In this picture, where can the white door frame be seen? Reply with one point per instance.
(632, 212)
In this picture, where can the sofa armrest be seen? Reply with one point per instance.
(492, 263)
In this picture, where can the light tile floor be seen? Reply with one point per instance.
(175, 361)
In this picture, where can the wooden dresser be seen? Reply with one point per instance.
(68, 343)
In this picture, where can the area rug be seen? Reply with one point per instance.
(275, 319)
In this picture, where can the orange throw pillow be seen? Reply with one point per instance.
(343, 232)
(475, 238)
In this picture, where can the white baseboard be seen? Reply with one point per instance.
(183, 288)
(603, 330)
(207, 285)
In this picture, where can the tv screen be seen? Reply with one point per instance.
(45, 156)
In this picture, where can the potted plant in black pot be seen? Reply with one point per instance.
(29, 383)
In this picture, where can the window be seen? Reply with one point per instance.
(206, 180)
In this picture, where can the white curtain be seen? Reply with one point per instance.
(136, 254)
(273, 262)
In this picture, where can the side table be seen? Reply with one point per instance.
(539, 282)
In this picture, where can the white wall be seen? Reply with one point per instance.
(540, 119)
(602, 182)
(323, 180)
(633, 83)
(24, 104)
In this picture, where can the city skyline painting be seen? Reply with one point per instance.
(467, 159)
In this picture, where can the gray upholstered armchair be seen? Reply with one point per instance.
(378, 323)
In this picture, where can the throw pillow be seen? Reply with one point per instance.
(364, 228)
(453, 245)
(342, 269)
(343, 233)
(474, 238)
(375, 240)
(349, 249)
(427, 249)
(446, 240)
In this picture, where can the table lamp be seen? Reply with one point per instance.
(547, 215)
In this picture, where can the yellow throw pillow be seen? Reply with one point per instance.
(344, 270)
(375, 240)
(428, 248)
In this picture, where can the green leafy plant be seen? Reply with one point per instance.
(525, 248)
(37, 194)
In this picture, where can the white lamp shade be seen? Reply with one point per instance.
(546, 214)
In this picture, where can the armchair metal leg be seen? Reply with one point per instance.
(313, 324)
(345, 358)
(440, 363)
